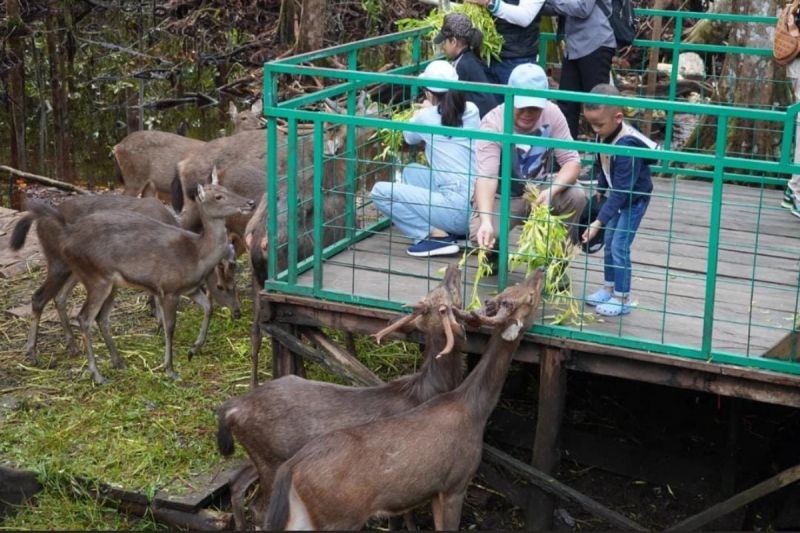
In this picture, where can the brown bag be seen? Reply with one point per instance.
(787, 36)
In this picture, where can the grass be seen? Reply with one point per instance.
(141, 431)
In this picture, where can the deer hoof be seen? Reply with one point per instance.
(193, 351)
(73, 350)
(172, 374)
(99, 379)
(119, 364)
(32, 357)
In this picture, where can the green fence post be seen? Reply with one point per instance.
(714, 231)
(291, 197)
(269, 101)
(319, 143)
(673, 79)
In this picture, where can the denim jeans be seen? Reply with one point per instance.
(499, 71)
(618, 237)
(425, 199)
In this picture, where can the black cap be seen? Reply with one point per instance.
(454, 25)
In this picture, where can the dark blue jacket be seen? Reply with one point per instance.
(470, 68)
(630, 178)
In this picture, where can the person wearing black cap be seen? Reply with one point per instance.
(461, 43)
(518, 22)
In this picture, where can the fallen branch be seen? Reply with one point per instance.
(45, 180)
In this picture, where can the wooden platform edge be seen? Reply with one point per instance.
(726, 380)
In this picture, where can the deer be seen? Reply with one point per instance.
(429, 453)
(60, 281)
(258, 419)
(107, 250)
(154, 155)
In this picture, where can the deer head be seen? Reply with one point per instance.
(512, 310)
(435, 312)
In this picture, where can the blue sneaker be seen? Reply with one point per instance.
(600, 296)
(432, 246)
(788, 199)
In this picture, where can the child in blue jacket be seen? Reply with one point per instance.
(628, 185)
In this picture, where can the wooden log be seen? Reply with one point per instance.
(787, 477)
(282, 337)
(552, 486)
(546, 451)
(203, 520)
(349, 363)
(45, 180)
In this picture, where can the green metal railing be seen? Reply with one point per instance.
(338, 174)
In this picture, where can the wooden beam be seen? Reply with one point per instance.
(788, 348)
(552, 486)
(546, 447)
(292, 343)
(787, 477)
(351, 365)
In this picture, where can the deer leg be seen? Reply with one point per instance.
(96, 296)
(201, 299)
(255, 337)
(103, 323)
(57, 275)
(63, 314)
(447, 511)
(169, 306)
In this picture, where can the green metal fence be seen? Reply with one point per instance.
(715, 262)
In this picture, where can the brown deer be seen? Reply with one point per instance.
(429, 453)
(110, 249)
(258, 419)
(59, 282)
(154, 155)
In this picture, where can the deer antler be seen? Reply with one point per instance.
(496, 320)
(448, 331)
(419, 308)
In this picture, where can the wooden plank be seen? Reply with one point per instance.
(353, 365)
(552, 486)
(755, 492)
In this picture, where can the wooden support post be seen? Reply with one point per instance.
(546, 452)
(350, 343)
(787, 477)
(343, 358)
(281, 364)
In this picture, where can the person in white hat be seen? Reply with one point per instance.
(538, 117)
(432, 203)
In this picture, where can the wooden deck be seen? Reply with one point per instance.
(669, 283)
(669, 271)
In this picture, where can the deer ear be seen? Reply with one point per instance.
(232, 110)
(214, 176)
(257, 107)
(201, 193)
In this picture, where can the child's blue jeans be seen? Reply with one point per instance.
(618, 237)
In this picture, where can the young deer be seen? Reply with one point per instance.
(429, 453)
(59, 282)
(110, 249)
(259, 419)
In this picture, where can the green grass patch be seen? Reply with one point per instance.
(142, 430)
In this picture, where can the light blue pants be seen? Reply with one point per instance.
(425, 200)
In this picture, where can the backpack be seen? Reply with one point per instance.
(621, 19)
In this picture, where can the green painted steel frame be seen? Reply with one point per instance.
(725, 168)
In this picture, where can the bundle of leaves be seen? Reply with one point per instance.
(481, 19)
(392, 139)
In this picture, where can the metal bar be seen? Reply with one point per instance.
(319, 130)
(291, 204)
(270, 95)
(713, 237)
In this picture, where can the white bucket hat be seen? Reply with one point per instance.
(439, 70)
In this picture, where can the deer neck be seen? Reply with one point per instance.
(440, 375)
(481, 389)
(213, 239)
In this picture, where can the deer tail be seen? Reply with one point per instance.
(225, 442)
(20, 232)
(278, 511)
(177, 191)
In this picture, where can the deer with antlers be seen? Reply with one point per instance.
(429, 453)
(259, 421)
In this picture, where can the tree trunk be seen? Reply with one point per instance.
(745, 81)
(16, 86)
(55, 51)
(286, 22)
(311, 32)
